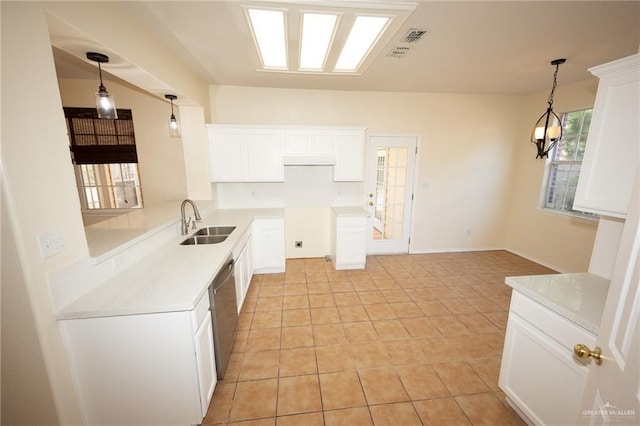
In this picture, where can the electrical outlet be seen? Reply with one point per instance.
(50, 243)
(298, 244)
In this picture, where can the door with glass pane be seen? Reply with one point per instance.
(391, 165)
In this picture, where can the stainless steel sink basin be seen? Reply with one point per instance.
(203, 239)
(216, 230)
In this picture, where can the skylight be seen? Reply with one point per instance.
(323, 36)
(317, 33)
(269, 32)
(363, 35)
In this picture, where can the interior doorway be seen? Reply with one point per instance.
(391, 166)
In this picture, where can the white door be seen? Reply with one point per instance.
(390, 176)
(612, 393)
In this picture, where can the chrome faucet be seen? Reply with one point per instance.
(186, 222)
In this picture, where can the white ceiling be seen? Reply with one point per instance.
(471, 47)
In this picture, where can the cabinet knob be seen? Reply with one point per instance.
(583, 351)
(370, 203)
(371, 195)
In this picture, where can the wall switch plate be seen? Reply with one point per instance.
(50, 243)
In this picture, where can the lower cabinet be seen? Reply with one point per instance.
(268, 245)
(349, 238)
(541, 377)
(244, 271)
(146, 369)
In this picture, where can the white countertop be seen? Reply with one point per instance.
(349, 211)
(579, 297)
(170, 278)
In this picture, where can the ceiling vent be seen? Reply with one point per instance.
(413, 35)
(399, 51)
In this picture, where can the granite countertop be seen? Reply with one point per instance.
(171, 277)
(579, 297)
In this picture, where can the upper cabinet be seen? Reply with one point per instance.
(245, 154)
(613, 145)
(350, 154)
(259, 153)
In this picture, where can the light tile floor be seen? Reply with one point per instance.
(412, 339)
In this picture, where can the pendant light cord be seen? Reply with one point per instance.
(553, 88)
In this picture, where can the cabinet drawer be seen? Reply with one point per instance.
(201, 310)
(550, 323)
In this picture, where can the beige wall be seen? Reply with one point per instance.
(561, 242)
(160, 158)
(34, 142)
(465, 160)
(478, 183)
(33, 129)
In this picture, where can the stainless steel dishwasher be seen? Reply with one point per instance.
(224, 314)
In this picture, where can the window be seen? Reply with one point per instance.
(566, 160)
(105, 159)
(109, 186)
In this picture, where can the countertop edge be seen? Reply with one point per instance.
(518, 284)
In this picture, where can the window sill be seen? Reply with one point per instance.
(574, 217)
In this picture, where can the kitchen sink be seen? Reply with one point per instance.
(203, 239)
(215, 230)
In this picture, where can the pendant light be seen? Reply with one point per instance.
(105, 104)
(548, 129)
(174, 126)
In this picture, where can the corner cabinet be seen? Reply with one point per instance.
(539, 374)
(245, 154)
(613, 145)
(254, 153)
(147, 369)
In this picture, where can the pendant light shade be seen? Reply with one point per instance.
(105, 104)
(174, 126)
(548, 129)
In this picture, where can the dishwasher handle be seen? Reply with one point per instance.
(223, 276)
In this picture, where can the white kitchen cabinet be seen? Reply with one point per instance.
(613, 144)
(540, 375)
(268, 245)
(349, 237)
(146, 369)
(205, 359)
(264, 155)
(243, 269)
(350, 155)
(308, 142)
(245, 154)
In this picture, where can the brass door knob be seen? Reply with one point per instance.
(583, 351)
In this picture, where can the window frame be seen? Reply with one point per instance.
(550, 163)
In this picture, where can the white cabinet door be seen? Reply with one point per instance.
(245, 154)
(296, 142)
(227, 156)
(205, 360)
(538, 364)
(321, 143)
(308, 142)
(349, 147)
(268, 245)
(539, 376)
(264, 156)
(239, 266)
(613, 144)
(350, 245)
